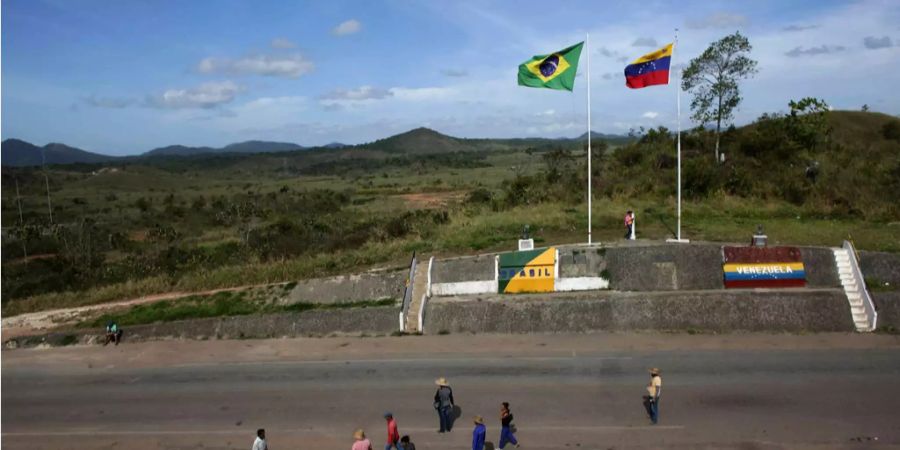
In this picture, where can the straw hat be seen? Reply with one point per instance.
(479, 419)
(359, 434)
(654, 371)
(441, 382)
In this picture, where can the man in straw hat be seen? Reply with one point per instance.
(361, 443)
(478, 434)
(443, 403)
(651, 400)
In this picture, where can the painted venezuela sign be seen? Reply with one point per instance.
(763, 267)
(528, 271)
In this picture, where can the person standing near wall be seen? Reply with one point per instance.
(443, 403)
(506, 434)
(651, 400)
(478, 434)
(629, 224)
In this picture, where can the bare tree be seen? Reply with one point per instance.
(713, 79)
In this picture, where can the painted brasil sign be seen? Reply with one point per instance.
(527, 271)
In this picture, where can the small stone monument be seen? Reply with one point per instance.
(759, 238)
(526, 243)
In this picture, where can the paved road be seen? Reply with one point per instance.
(566, 392)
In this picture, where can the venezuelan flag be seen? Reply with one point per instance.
(650, 69)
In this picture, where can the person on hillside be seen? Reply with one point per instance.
(360, 441)
(629, 223)
(405, 443)
(393, 436)
(260, 442)
(478, 434)
(651, 400)
(506, 434)
(443, 403)
(113, 333)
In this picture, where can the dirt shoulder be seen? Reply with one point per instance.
(183, 352)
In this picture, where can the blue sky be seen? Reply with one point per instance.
(122, 77)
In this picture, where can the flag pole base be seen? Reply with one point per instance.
(678, 241)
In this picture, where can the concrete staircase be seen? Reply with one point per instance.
(854, 291)
(419, 290)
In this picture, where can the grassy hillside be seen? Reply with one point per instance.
(141, 226)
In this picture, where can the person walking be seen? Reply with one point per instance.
(478, 434)
(260, 442)
(393, 436)
(406, 444)
(629, 223)
(360, 441)
(506, 434)
(443, 403)
(651, 400)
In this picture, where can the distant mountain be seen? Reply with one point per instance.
(240, 147)
(19, 153)
(602, 136)
(420, 141)
(335, 145)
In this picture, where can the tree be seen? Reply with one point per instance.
(713, 79)
(808, 122)
(865, 108)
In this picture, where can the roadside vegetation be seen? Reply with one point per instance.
(128, 229)
(229, 303)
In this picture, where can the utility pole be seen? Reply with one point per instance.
(47, 182)
(21, 221)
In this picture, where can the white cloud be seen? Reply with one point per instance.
(362, 93)
(348, 27)
(650, 115)
(108, 102)
(717, 20)
(207, 95)
(281, 42)
(812, 51)
(423, 94)
(457, 73)
(794, 28)
(289, 66)
(874, 43)
(644, 42)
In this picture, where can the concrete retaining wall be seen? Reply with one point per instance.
(665, 267)
(888, 306)
(380, 320)
(881, 266)
(820, 267)
(349, 288)
(471, 268)
(722, 311)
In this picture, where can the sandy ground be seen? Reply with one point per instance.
(748, 391)
(42, 321)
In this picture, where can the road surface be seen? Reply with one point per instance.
(567, 392)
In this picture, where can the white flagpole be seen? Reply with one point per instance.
(587, 46)
(678, 145)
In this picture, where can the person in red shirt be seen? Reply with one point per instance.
(393, 437)
(629, 223)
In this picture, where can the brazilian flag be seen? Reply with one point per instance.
(553, 71)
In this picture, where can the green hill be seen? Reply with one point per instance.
(18, 153)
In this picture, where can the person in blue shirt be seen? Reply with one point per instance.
(478, 434)
(113, 333)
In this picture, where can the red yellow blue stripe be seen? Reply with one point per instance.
(650, 69)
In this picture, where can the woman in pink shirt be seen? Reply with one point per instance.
(361, 442)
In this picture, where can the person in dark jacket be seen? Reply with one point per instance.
(506, 434)
(443, 403)
(478, 434)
